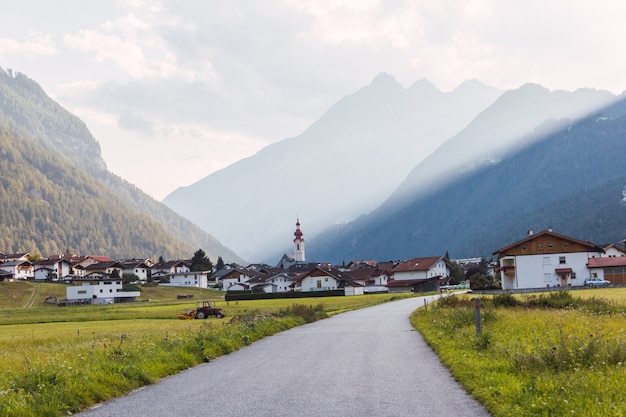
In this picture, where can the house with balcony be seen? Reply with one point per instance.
(545, 259)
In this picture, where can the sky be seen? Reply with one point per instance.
(176, 90)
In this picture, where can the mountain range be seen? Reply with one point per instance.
(57, 194)
(377, 150)
(572, 180)
(386, 173)
(345, 164)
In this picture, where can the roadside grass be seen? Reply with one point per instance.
(61, 360)
(551, 354)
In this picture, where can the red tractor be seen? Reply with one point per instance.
(205, 309)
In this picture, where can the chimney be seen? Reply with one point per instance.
(530, 232)
(549, 228)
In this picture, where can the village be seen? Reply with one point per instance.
(539, 260)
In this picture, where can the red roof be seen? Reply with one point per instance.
(606, 262)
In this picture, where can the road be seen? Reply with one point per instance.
(368, 362)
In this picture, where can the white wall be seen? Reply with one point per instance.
(327, 283)
(538, 271)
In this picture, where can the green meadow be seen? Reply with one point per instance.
(551, 354)
(61, 360)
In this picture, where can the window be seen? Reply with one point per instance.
(547, 277)
(561, 259)
(546, 260)
(539, 245)
(550, 245)
(82, 291)
(573, 275)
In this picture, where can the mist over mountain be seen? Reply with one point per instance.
(345, 164)
(572, 179)
(518, 118)
(58, 194)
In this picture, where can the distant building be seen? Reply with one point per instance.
(298, 255)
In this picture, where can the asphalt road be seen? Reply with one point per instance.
(368, 362)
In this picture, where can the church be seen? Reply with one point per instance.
(298, 256)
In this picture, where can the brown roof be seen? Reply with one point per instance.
(549, 232)
(417, 264)
(606, 262)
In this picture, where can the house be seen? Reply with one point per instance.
(5, 276)
(273, 283)
(6, 257)
(422, 268)
(237, 279)
(162, 269)
(198, 279)
(370, 277)
(419, 274)
(19, 269)
(105, 268)
(612, 269)
(324, 278)
(52, 268)
(614, 250)
(137, 267)
(545, 259)
(98, 289)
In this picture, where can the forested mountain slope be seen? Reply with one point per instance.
(58, 194)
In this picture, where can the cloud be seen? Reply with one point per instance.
(246, 73)
(35, 44)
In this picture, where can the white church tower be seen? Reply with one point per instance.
(298, 244)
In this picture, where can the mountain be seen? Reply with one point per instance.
(572, 179)
(345, 164)
(57, 193)
(515, 120)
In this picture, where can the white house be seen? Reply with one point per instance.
(422, 268)
(57, 268)
(137, 267)
(198, 279)
(545, 259)
(324, 278)
(274, 283)
(19, 268)
(99, 290)
(161, 270)
(232, 280)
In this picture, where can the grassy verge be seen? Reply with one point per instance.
(57, 361)
(541, 355)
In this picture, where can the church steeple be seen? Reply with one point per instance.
(298, 243)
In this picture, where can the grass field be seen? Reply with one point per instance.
(552, 354)
(60, 360)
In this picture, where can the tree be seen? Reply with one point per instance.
(200, 262)
(129, 279)
(220, 263)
